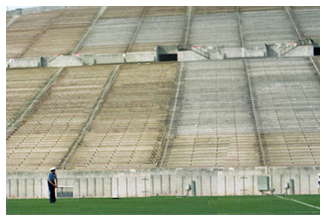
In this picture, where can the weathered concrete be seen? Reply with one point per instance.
(194, 54)
(220, 53)
(306, 50)
(140, 57)
(64, 61)
(189, 56)
(159, 181)
(23, 62)
(107, 58)
(82, 59)
(291, 49)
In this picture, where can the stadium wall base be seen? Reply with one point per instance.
(164, 182)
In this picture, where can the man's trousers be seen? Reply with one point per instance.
(52, 193)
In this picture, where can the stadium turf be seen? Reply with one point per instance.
(222, 205)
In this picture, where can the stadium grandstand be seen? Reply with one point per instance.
(161, 88)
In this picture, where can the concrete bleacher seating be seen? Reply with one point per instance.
(56, 32)
(308, 21)
(21, 85)
(164, 30)
(214, 123)
(260, 28)
(112, 34)
(56, 123)
(130, 126)
(214, 119)
(21, 34)
(221, 33)
(287, 94)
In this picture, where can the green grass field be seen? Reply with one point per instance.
(223, 205)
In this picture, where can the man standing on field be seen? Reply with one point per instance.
(52, 183)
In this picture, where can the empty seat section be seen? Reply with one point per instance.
(308, 19)
(266, 27)
(64, 32)
(159, 30)
(22, 33)
(131, 124)
(287, 102)
(213, 125)
(215, 29)
(52, 128)
(21, 85)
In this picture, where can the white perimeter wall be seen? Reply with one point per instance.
(163, 181)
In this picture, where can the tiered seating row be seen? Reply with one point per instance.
(205, 30)
(64, 33)
(308, 20)
(57, 32)
(266, 27)
(131, 125)
(114, 35)
(287, 100)
(21, 33)
(213, 123)
(49, 132)
(21, 85)
(213, 151)
(164, 30)
(110, 36)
